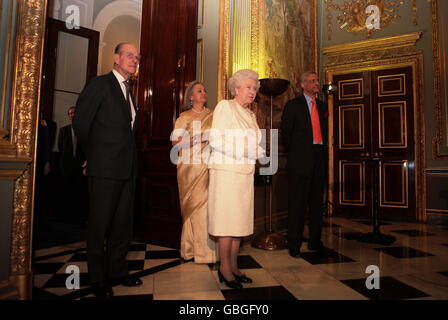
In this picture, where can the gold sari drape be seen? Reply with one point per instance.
(192, 179)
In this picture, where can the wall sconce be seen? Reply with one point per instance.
(329, 89)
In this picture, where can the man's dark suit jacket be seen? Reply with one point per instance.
(297, 134)
(69, 165)
(102, 124)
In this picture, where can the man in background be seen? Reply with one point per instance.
(304, 131)
(75, 183)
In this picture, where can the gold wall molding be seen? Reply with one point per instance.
(414, 12)
(437, 212)
(436, 171)
(224, 49)
(255, 33)
(28, 65)
(372, 50)
(377, 54)
(440, 139)
(329, 19)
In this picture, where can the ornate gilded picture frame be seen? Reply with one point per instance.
(17, 148)
(276, 38)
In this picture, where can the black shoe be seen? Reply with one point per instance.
(242, 278)
(102, 292)
(294, 252)
(129, 282)
(234, 284)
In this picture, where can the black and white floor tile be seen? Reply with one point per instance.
(415, 266)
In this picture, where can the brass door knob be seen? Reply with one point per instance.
(378, 154)
(365, 154)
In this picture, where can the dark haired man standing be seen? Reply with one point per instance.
(71, 161)
(304, 131)
(104, 124)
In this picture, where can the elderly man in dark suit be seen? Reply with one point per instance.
(104, 123)
(304, 131)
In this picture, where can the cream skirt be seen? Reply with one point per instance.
(230, 204)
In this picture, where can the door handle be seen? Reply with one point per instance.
(365, 154)
(378, 154)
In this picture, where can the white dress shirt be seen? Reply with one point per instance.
(120, 79)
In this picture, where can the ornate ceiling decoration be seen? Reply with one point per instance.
(355, 18)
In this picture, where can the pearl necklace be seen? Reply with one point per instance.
(199, 112)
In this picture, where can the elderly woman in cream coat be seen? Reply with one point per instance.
(234, 139)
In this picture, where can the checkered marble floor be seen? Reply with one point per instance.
(415, 266)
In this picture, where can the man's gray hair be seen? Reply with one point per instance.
(239, 77)
(305, 75)
(118, 47)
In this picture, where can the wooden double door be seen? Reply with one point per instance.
(374, 119)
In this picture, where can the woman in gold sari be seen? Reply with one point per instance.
(190, 136)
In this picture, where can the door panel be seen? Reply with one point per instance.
(352, 143)
(351, 126)
(351, 89)
(168, 48)
(374, 114)
(394, 122)
(352, 193)
(394, 184)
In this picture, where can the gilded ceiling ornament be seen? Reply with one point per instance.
(414, 11)
(366, 16)
(329, 19)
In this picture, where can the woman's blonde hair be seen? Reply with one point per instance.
(238, 78)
